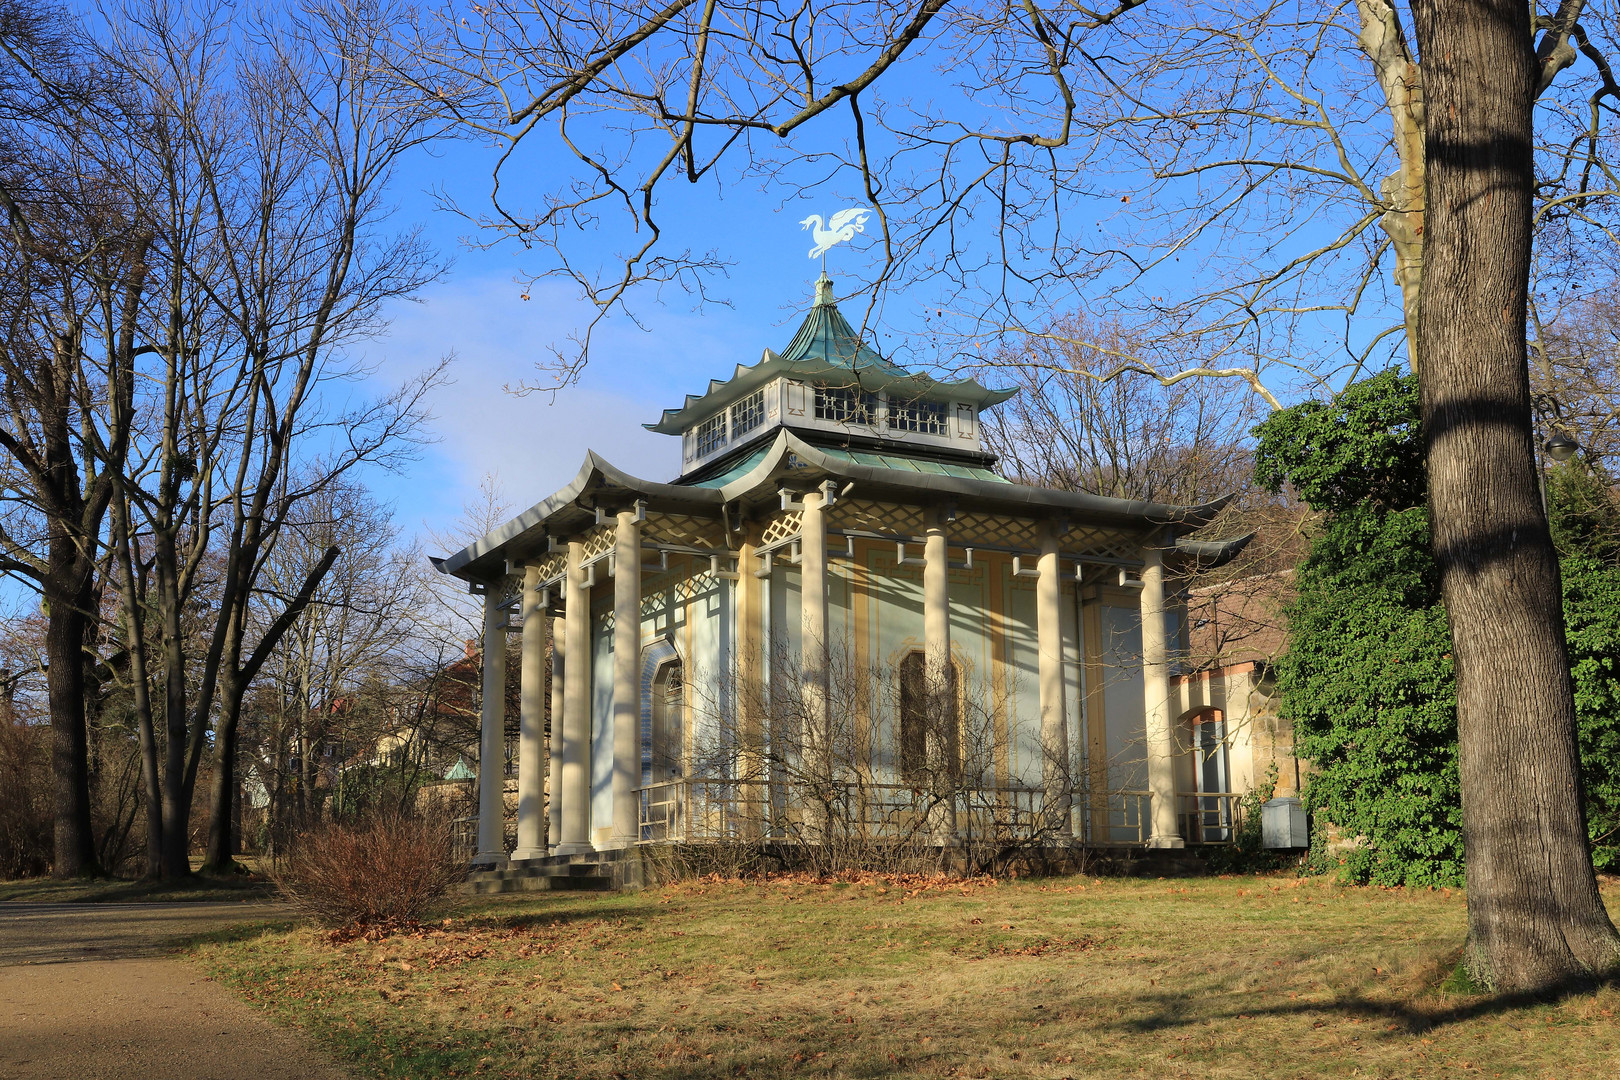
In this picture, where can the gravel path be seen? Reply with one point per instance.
(90, 991)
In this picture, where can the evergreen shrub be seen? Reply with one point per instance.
(1367, 679)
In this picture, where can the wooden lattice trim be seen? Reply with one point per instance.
(867, 516)
(599, 541)
(684, 529)
(783, 527)
(551, 566)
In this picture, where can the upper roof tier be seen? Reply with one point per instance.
(827, 351)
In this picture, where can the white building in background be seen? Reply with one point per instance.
(841, 617)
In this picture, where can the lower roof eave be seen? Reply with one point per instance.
(597, 483)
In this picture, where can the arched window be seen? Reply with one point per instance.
(919, 716)
(668, 722)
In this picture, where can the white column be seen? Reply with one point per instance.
(1055, 772)
(941, 712)
(813, 637)
(626, 680)
(531, 823)
(1161, 740)
(492, 741)
(576, 768)
(554, 787)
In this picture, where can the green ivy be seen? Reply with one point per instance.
(1367, 679)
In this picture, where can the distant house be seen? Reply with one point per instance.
(840, 616)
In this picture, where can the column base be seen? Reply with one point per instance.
(489, 860)
(573, 849)
(527, 854)
(617, 843)
(1166, 842)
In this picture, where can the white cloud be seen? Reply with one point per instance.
(535, 444)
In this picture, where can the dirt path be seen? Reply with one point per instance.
(89, 991)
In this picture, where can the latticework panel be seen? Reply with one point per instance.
(996, 529)
(1106, 543)
(552, 565)
(683, 529)
(863, 515)
(599, 541)
(509, 591)
(783, 527)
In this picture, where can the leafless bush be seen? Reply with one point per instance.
(886, 777)
(384, 872)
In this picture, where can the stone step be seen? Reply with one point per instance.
(550, 874)
(539, 869)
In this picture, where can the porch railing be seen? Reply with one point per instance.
(698, 810)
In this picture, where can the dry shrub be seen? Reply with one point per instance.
(384, 872)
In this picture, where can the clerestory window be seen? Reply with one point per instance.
(924, 417)
(711, 435)
(842, 405)
(748, 414)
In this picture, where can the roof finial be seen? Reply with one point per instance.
(824, 292)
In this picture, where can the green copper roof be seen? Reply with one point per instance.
(826, 350)
(911, 464)
(743, 467)
(826, 340)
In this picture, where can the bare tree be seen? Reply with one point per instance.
(262, 162)
(329, 687)
(73, 258)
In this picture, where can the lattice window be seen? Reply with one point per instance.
(924, 417)
(747, 414)
(711, 435)
(842, 405)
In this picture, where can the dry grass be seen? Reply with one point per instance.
(1237, 977)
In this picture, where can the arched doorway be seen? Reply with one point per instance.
(1212, 821)
(668, 735)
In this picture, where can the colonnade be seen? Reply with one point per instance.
(569, 819)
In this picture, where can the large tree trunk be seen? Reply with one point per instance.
(75, 845)
(1535, 919)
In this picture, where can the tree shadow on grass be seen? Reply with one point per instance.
(1410, 1017)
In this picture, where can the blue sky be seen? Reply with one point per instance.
(535, 444)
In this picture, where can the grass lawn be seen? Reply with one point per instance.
(1252, 977)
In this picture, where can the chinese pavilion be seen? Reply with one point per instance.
(840, 616)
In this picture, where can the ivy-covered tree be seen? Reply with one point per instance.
(1368, 679)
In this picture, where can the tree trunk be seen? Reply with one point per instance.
(75, 847)
(1535, 919)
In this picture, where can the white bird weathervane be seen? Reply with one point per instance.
(843, 227)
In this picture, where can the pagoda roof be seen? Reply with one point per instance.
(791, 462)
(827, 350)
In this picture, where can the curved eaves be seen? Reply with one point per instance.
(1208, 554)
(984, 492)
(591, 476)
